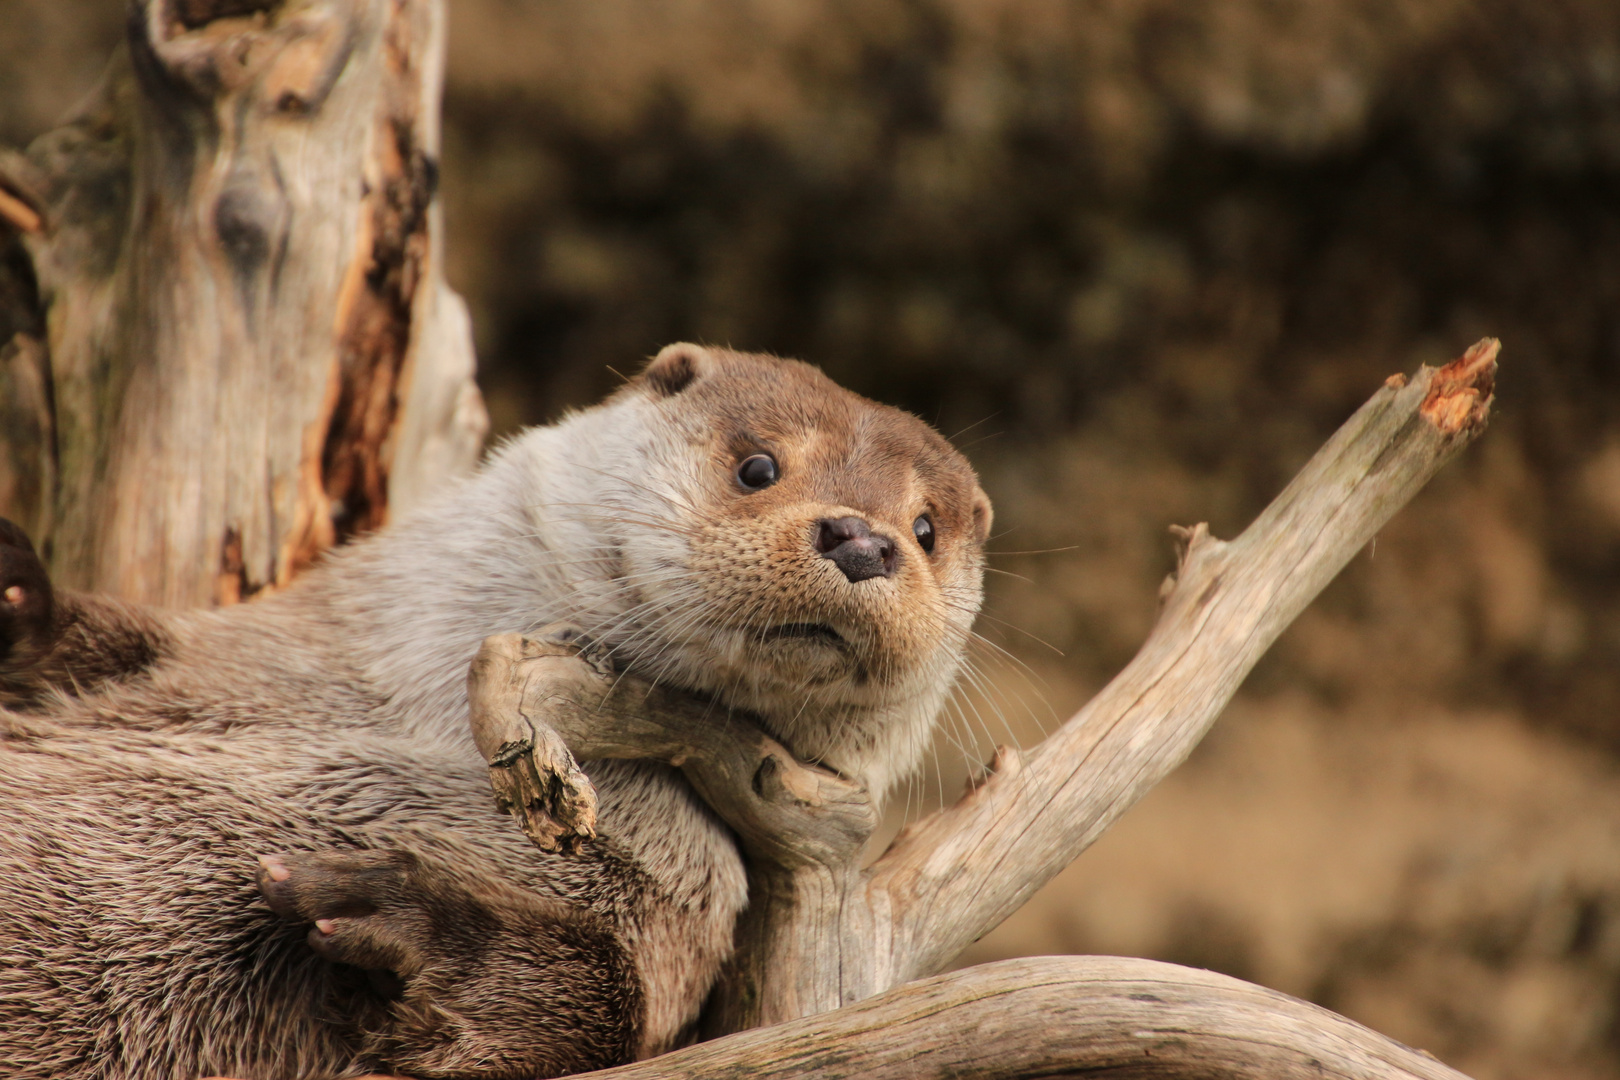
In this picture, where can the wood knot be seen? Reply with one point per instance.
(779, 781)
(1006, 762)
(246, 219)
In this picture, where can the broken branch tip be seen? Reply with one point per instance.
(1460, 394)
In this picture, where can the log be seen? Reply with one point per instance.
(227, 342)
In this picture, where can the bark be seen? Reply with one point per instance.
(226, 338)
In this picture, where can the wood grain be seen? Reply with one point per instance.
(248, 340)
(1058, 1016)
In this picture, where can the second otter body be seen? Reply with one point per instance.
(734, 526)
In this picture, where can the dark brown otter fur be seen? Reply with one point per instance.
(52, 644)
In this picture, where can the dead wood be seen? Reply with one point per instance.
(225, 332)
(1058, 1016)
(537, 703)
(822, 933)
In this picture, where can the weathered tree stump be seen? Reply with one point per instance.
(227, 340)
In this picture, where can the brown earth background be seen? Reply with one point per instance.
(1145, 255)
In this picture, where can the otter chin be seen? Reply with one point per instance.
(732, 525)
(808, 654)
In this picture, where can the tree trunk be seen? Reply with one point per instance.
(227, 340)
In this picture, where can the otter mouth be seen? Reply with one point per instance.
(813, 632)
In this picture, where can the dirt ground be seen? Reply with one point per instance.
(1144, 256)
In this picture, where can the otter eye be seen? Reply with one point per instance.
(923, 530)
(757, 471)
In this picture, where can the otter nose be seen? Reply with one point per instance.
(849, 543)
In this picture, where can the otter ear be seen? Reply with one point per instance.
(674, 369)
(983, 515)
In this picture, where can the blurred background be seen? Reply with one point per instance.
(1142, 257)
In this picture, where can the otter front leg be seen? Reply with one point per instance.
(482, 980)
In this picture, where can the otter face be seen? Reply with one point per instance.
(822, 557)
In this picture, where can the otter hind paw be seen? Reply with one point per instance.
(482, 981)
(363, 906)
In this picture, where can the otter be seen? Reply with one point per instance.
(734, 526)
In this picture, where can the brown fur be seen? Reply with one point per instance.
(139, 939)
(63, 644)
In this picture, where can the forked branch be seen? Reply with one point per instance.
(822, 933)
(956, 875)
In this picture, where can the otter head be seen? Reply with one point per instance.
(802, 553)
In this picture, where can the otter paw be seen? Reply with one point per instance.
(26, 598)
(481, 980)
(366, 907)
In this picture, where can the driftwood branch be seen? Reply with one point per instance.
(537, 703)
(1058, 1016)
(822, 933)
